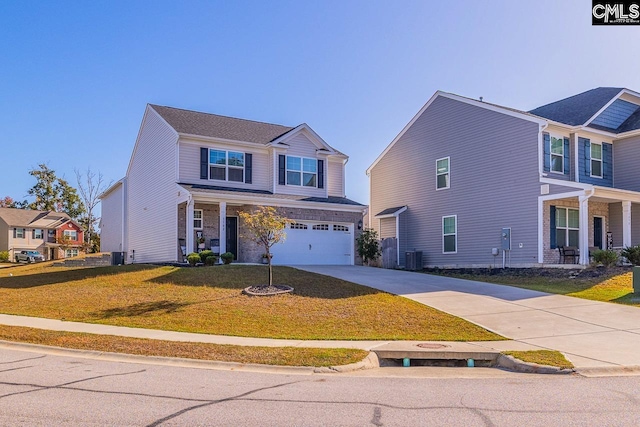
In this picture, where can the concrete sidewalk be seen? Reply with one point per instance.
(591, 334)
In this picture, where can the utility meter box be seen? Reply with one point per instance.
(506, 239)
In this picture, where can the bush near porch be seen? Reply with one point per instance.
(209, 300)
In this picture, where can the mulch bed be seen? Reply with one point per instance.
(591, 272)
(266, 290)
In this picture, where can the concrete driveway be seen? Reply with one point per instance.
(591, 334)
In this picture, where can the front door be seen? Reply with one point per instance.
(597, 232)
(232, 236)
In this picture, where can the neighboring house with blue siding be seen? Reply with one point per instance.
(191, 173)
(462, 170)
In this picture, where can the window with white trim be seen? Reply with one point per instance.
(321, 227)
(38, 234)
(69, 253)
(19, 233)
(337, 227)
(226, 165)
(442, 173)
(450, 234)
(71, 234)
(596, 160)
(297, 226)
(557, 154)
(197, 219)
(302, 171)
(567, 227)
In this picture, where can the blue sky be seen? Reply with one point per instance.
(75, 76)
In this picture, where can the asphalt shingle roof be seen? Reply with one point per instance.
(215, 126)
(199, 188)
(577, 109)
(389, 211)
(26, 217)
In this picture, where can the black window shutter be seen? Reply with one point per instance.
(567, 163)
(607, 162)
(33, 233)
(320, 173)
(204, 163)
(281, 169)
(587, 156)
(552, 227)
(15, 233)
(248, 166)
(547, 152)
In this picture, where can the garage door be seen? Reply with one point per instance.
(315, 243)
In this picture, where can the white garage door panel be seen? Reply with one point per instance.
(329, 247)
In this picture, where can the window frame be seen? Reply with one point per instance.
(201, 219)
(71, 250)
(591, 160)
(301, 171)
(567, 229)
(35, 233)
(226, 165)
(552, 154)
(64, 233)
(21, 233)
(447, 173)
(455, 234)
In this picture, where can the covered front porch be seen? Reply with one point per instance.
(597, 217)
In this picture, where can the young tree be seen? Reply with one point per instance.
(90, 187)
(267, 227)
(368, 247)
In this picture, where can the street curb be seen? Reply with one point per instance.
(512, 364)
(371, 361)
(609, 371)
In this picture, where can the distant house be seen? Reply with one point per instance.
(471, 183)
(53, 234)
(190, 174)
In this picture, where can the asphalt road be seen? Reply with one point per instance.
(44, 390)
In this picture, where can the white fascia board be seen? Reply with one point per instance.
(392, 215)
(611, 101)
(189, 139)
(617, 194)
(562, 195)
(313, 136)
(598, 132)
(115, 185)
(495, 108)
(262, 201)
(183, 194)
(571, 184)
(627, 134)
(147, 110)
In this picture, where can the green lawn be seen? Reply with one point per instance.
(209, 300)
(542, 357)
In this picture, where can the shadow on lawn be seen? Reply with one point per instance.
(142, 308)
(238, 277)
(52, 275)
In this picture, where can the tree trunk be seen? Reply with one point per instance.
(270, 270)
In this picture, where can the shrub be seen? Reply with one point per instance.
(632, 254)
(205, 254)
(368, 247)
(4, 256)
(227, 257)
(606, 258)
(211, 260)
(193, 258)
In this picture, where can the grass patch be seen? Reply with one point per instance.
(608, 285)
(282, 356)
(542, 357)
(209, 300)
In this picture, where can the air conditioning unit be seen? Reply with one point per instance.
(413, 260)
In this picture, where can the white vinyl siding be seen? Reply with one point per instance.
(153, 214)
(387, 227)
(190, 166)
(111, 221)
(334, 179)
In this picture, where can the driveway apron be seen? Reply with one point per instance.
(591, 334)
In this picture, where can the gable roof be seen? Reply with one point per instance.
(578, 109)
(215, 126)
(27, 217)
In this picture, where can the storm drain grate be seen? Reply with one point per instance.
(432, 346)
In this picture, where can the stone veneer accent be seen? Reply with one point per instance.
(248, 250)
(552, 256)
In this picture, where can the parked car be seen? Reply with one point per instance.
(29, 256)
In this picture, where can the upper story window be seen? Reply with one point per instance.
(302, 171)
(596, 160)
(71, 234)
(18, 233)
(226, 165)
(442, 173)
(197, 219)
(557, 154)
(38, 234)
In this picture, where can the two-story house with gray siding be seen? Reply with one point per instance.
(190, 174)
(471, 183)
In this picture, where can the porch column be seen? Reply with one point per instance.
(189, 227)
(223, 227)
(626, 223)
(584, 229)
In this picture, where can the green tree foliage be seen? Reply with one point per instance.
(632, 254)
(7, 202)
(606, 258)
(368, 246)
(51, 193)
(266, 227)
